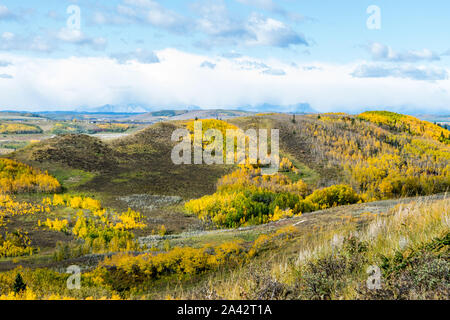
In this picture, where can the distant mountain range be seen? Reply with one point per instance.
(186, 115)
(108, 108)
(136, 108)
(139, 108)
(266, 107)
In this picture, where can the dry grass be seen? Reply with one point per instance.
(332, 264)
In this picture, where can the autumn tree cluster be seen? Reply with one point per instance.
(381, 162)
(405, 123)
(19, 128)
(16, 177)
(102, 230)
(246, 197)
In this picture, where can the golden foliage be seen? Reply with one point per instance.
(207, 124)
(18, 128)
(16, 177)
(74, 202)
(114, 127)
(245, 197)
(179, 261)
(101, 229)
(287, 166)
(408, 124)
(380, 163)
(15, 244)
(57, 225)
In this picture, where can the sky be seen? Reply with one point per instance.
(349, 55)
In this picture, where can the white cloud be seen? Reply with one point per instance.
(410, 72)
(10, 42)
(216, 21)
(179, 80)
(270, 5)
(271, 32)
(257, 30)
(274, 72)
(153, 13)
(139, 55)
(8, 36)
(77, 37)
(4, 63)
(147, 12)
(212, 20)
(383, 52)
(6, 14)
(207, 64)
(264, 4)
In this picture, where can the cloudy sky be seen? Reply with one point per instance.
(347, 55)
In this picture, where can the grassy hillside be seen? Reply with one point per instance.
(136, 164)
(408, 245)
(139, 224)
(322, 255)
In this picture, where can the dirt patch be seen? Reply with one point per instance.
(149, 202)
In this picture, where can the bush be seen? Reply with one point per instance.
(326, 277)
(249, 207)
(122, 272)
(415, 273)
(334, 196)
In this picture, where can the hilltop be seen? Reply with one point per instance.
(175, 115)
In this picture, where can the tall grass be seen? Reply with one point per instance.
(333, 264)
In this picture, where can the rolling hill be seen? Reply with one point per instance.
(136, 164)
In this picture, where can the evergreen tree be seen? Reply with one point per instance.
(19, 285)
